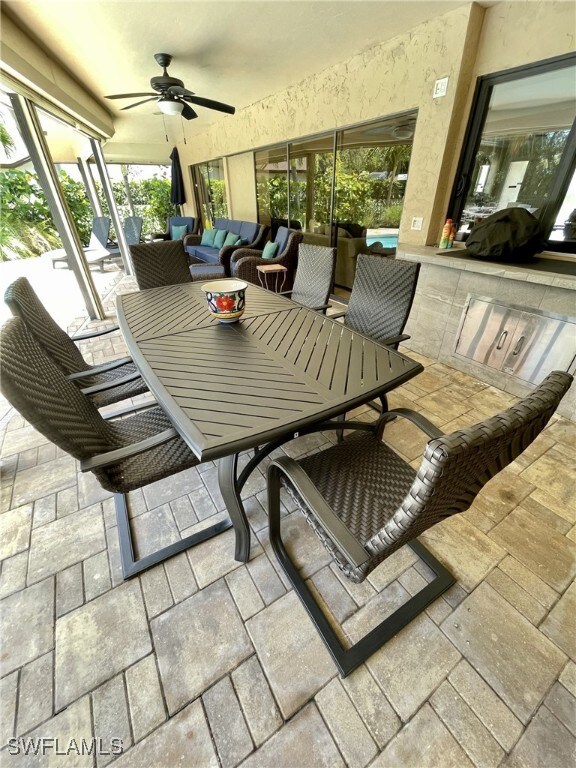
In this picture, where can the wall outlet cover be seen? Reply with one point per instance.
(417, 222)
(440, 88)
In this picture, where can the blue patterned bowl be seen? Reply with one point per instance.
(226, 299)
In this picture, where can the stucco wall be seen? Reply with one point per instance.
(397, 76)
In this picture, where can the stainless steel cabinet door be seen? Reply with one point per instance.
(487, 332)
(539, 345)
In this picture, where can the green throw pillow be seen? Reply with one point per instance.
(219, 238)
(241, 241)
(231, 238)
(269, 250)
(179, 232)
(208, 237)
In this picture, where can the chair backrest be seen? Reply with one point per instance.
(100, 235)
(133, 229)
(24, 303)
(314, 275)
(162, 263)
(382, 295)
(181, 221)
(38, 389)
(455, 467)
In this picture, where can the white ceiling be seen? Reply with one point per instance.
(229, 50)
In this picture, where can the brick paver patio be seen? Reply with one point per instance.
(202, 661)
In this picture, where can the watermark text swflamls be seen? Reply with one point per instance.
(45, 745)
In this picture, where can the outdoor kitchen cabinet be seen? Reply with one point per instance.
(526, 343)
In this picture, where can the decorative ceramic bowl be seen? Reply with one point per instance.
(226, 299)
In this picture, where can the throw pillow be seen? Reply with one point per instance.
(269, 250)
(208, 237)
(219, 238)
(241, 241)
(231, 239)
(179, 232)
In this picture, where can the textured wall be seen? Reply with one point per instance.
(393, 77)
(397, 76)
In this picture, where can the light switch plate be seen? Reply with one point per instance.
(440, 88)
(417, 222)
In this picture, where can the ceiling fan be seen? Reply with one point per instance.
(172, 97)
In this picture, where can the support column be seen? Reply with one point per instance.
(108, 194)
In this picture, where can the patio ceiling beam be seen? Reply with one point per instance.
(31, 132)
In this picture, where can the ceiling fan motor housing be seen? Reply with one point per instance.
(163, 82)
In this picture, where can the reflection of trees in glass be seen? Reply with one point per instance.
(367, 188)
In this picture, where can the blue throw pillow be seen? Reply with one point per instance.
(270, 250)
(219, 238)
(231, 239)
(178, 233)
(208, 237)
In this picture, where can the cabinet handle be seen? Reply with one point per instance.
(519, 345)
(502, 339)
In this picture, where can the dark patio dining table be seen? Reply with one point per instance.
(273, 375)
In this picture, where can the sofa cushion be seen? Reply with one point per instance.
(208, 237)
(270, 250)
(203, 252)
(219, 238)
(249, 231)
(177, 233)
(282, 238)
(231, 239)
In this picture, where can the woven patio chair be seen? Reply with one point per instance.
(190, 222)
(364, 502)
(314, 277)
(244, 261)
(124, 454)
(159, 264)
(105, 384)
(382, 295)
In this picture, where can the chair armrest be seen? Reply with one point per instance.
(129, 409)
(191, 240)
(159, 236)
(100, 368)
(93, 334)
(416, 418)
(336, 315)
(110, 384)
(318, 506)
(241, 253)
(319, 308)
(112, 457)
(395, 340)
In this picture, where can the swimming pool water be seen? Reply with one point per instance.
(388, 241)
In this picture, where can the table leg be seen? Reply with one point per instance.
(227, 481)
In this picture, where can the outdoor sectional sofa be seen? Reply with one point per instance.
(252, 236)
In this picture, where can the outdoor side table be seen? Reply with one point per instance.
(272, 269)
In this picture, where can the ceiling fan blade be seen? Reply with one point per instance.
(137, 104)
(128, 95)
(188, 113)
(210, 104)
(177, 90)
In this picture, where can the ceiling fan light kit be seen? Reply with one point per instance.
(171, 95)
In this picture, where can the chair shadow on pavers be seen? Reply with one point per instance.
(124, 454)
(364, 502)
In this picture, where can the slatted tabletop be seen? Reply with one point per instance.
(231, 387)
